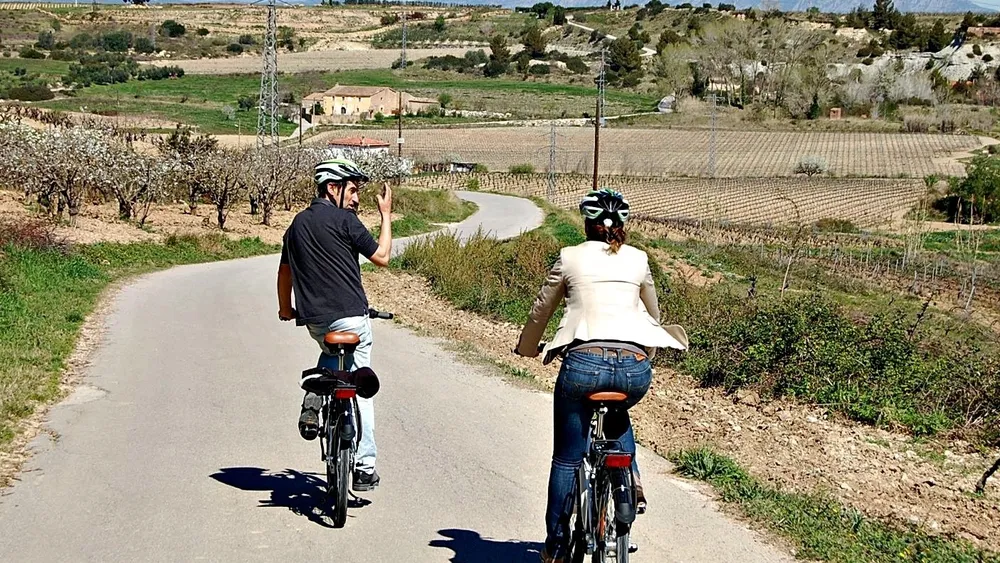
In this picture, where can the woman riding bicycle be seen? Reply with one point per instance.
(608, 333)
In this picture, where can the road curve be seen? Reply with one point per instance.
(180, 444)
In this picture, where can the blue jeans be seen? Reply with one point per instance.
(362, 357)
(581, 374)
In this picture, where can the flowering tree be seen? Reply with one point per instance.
(269, 172)
(137, 180)
(17, 157)
(225, 186)
(189, 155)
(380, 166)
(69, 162)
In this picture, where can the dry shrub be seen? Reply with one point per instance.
(917, 123)
(484, 275)
(34, 234)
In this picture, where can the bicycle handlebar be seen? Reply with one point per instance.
(373, 314)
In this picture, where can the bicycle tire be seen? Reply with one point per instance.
(343, 483)
(578, 535)
(336, 478)
(621, 553)
(604, 521)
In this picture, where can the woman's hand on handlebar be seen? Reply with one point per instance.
(517, 349)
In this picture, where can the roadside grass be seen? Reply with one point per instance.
(819, 527)
(48, 291)
(496, 278)
(861, 352)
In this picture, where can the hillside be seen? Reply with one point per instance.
(834, 6)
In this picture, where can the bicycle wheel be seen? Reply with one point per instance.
(337, 474)
(343, 482)
(621, 553)
(579, 521)
(605, 528)
(578, 538)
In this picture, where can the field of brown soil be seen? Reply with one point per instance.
(100, 223)
(757, 201)
(672, 152)
(327, 60)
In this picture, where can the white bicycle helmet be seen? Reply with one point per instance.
(606, 206)
(338, 170)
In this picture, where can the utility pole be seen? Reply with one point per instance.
(399, 137)
(711, 140)
(597, 120)
(402, 52)
(552, 162)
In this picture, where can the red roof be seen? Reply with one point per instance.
(360, 142)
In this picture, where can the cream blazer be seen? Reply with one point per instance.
(608, 297)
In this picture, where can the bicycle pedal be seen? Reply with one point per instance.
(632, 548)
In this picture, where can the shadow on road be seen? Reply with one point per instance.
(302, 493)
(470, 547)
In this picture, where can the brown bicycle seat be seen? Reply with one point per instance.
(342, 339)
(607, 397)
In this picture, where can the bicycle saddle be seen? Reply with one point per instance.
(607, 397)
(342, 338)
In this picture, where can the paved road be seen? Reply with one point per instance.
(181, 445)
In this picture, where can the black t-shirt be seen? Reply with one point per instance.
(322, 246)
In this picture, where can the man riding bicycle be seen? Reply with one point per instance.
(319, 259)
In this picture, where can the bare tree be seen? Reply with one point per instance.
(225, 186)
(188, 153)
(269, 172)
(137, 180)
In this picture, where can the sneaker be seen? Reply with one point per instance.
(365, 481)
(309, 424)
(309, 417)
(640, 505)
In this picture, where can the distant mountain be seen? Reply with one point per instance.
(923, 6)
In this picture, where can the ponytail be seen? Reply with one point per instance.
(614, 236)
